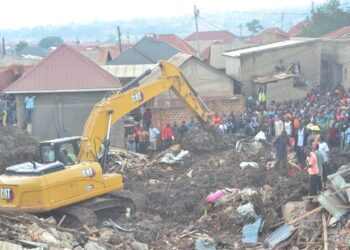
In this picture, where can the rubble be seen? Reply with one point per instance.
(225, 199)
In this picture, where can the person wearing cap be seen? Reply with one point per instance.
(312, 167)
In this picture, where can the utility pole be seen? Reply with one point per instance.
(282, 19)
(120, 40)
(3, 46)
(196, 15)
(240, 30)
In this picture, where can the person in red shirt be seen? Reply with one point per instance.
(138, 131)
(167, 135)
(217, 119)
(312, 167)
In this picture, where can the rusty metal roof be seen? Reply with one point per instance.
(64, 70)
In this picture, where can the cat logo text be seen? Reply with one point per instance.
(7, 194)
(89, 173)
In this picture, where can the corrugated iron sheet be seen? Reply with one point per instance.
(9, 246)
(123, 71)
(280, 234)
(332, 204)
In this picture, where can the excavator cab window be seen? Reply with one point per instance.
(64, 150)
(68, 153)
(48, 154)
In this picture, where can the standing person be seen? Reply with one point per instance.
(320, 161)
(314, 180)
(278, 126)
(147, 118)
(137, 131)
(4, 111)
(131, 140)
(29, 107)
(143, 140)
(217, 119)
(1, 108)
(167, 135)
(324, 149)
(281, 143)
(153, 136)
(12, 112)
(182, 130)
(191, 124)
(300, 140)
(288, 126)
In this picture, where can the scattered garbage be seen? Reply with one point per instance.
(250, 232)
(252, 164)
(170, 158)
(205, 243)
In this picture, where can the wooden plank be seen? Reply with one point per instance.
(325, 233)
(314, 211)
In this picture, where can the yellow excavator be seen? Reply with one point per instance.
(71, 176)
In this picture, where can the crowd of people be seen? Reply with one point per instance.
(309, 126)
(143, 137)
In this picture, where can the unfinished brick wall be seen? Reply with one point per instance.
(161, 116)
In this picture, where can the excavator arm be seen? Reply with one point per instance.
(109, 110)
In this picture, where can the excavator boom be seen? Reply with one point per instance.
(110, 110)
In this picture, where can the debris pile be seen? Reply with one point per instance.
(16, 146)
(230, 197)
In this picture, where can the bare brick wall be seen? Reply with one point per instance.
(178, 114)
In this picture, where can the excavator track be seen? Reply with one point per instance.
(92, 211)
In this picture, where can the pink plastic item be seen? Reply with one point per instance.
(213, 197)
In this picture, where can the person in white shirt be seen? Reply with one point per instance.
(153, 136)
(324, 150)
(278, 126)
(288, 127)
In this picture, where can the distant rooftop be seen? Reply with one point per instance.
(220, 35)
(271, 46)
(342, 33)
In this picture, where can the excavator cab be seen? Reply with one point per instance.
(64, 150)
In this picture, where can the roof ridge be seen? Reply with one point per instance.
(89, 64)
(93, 65)
(30, 71)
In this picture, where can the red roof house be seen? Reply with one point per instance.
(176, 42)
(222, 35)
(298, 28)
(64, 70)
(269, 35)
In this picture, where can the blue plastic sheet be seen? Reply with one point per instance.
(250, 232)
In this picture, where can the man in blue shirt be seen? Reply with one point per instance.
(29, 106)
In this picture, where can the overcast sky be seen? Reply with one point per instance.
(27, 13)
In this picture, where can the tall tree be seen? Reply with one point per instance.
(50, 41)
(21, 45)
(254, 26)
(326, 18)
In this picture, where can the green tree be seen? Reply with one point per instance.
(50, 41)
(21, 45)
(254, 26)
(328, 17)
